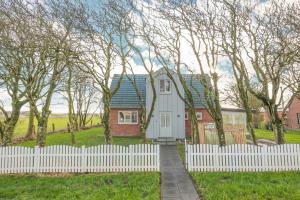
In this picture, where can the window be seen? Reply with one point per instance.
(128, 117)
(165, 86)
(186, 115)
(199, 115)
(298, 118)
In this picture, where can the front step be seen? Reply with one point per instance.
(165, 141)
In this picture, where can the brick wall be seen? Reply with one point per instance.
(206, 118)
(294, 108)
(123, 129)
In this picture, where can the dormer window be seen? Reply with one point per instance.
(165, 86)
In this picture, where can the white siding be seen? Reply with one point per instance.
(166, 103)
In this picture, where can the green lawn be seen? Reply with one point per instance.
(181, 151)
(90, 137)
(248, 186)
(129, 186)
(292, 137)
(59, 121)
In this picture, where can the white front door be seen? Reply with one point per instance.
(165, 124)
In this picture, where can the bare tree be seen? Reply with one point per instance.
(196, 22)
(260, 45)
(102, 46)
(16, 47)
(55, 50)
(271, 58)
(229, 26)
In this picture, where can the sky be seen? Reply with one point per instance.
(59, 104)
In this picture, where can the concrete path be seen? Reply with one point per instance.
(176, 184)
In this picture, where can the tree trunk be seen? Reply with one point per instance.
(42, 131)
(8, 131)
(218, 113)
(70, 106)
(143, 124)
(30, 130)
(220, 131)
(277, 124)
(194, 126)
(9, 125)
(250, 124)
(106, 116)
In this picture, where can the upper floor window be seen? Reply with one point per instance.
(165, 86)
(128, 117)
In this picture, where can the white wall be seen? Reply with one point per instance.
(166, 103)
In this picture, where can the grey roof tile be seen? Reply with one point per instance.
(126, 96)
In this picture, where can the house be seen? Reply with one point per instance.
(170, 118)
(291, 117)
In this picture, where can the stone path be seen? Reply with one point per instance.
(176, 184)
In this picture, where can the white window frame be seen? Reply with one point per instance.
(131, 111)
(165, 86)
(200, 114)
(186, 115)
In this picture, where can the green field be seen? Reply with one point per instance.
(90, 137)
(59, 121)
(129, 186)
(248, 186)
(291, 137)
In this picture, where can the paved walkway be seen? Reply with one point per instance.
(176, 184)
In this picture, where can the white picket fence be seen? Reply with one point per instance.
(61, 158)
(242, 157)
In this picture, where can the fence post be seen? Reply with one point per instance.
(158, 157)
(185, 154)
(36, 159)
(53, 127)
(83, 159)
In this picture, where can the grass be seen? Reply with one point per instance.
(90, 137)
(291, 137)
(129, 186)
(59, 121)
(181, 151)
(248, 186)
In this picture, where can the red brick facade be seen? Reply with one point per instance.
(123, 129)
(134, 129)
(206, 118)
(292, 120)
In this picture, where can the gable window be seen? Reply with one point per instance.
(127, 117)
(298, 118)
(186, 115)
(199, 115)
(165, 86)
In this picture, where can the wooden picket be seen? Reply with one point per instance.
(242, 157)
(62, 158)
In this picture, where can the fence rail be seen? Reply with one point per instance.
(62, 158)
(242, 157)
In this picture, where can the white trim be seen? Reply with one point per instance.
(200, 118)
(131, 111)
(186, 116)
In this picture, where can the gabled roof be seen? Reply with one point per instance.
(126, 96)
